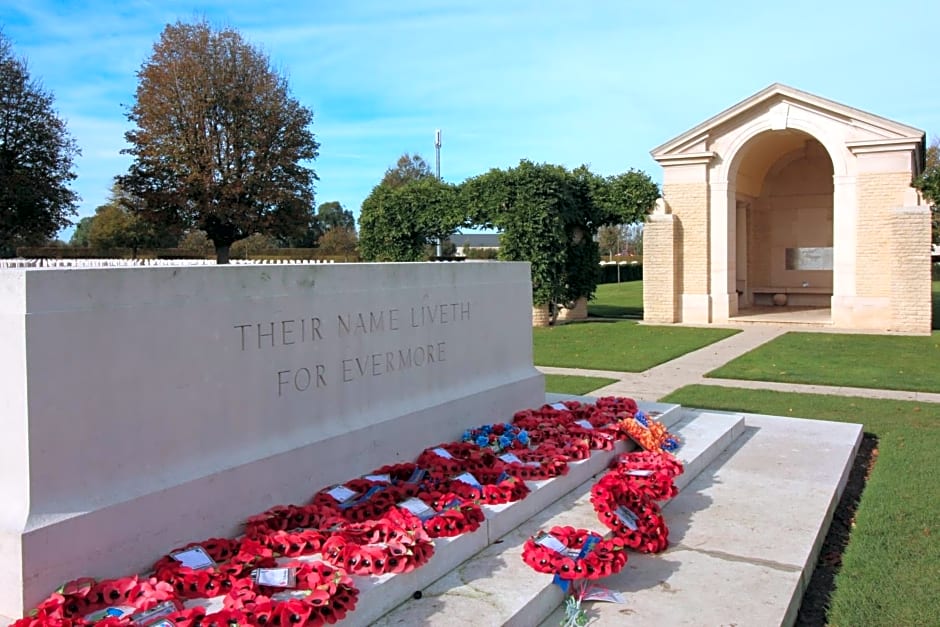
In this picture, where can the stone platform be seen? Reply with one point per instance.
(756, 501)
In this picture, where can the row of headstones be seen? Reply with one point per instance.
(111, 263)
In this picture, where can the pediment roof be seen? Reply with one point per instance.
(692, 141)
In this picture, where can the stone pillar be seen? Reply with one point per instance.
(578, 312)
(910, 270)
(541, 316)
(844, 241)
(661, 263)
(689, 202)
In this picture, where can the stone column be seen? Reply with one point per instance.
(910, 270)
(660, 269)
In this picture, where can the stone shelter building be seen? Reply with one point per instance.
(792, 207)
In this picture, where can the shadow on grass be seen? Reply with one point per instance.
(615, 311)
(814, 608)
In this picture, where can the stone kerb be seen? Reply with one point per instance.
(148, 407)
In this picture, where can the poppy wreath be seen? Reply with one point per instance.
(71, 603)
(651, 474)
(408, 478)
(573, 448)
(498, 437)
(453, 515)
(294, 531)
(455, 519)
(645, 531)
(397, 543)
(649, 460)
(604, 558)
(188, 617)
(233, 558)
(651, 484)
(375, 499)
(496, 487)
(371, 501)
(617, 405)
(544, 462)
(439, 466)
(326, 594)
(648, 433)
(539, 428)
(468, 457)
(598, 439)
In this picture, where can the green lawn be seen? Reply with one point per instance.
(621, 346)
(574, 385)
(888, 362)
(891, 566)
(618, 300)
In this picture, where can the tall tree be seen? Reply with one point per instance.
(339, 241)
(36, 158)
(331, 215)
(110, 227)
(397, 223)
(408, 168)
(80, 236)
(219, 143)
(549, 217)
(118, 224)
(929, 185)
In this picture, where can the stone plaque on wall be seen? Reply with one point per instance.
(818, 258)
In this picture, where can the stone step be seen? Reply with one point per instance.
(495, 587)
(747, 531)
(380, 594)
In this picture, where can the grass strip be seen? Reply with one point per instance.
(619, 346)
(888, 362)
(573, 384)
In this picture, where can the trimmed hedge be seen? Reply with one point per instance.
(628, 272)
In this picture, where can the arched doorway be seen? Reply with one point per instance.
(781, 230)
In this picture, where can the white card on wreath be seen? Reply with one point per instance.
(195, 558)
(341, 493)
(550, 542)
(440, 452)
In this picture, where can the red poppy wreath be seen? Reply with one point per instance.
(633, 517)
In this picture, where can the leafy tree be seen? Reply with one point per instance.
(118, 224)
(219, 143)
(80, 236)
(610, 239)
(307, 237)
(408, 168)
(339, 241)
(252, 245)
(397, 222)
(549, 217)
(110, 227)
(196, 241)
(633, 238)
(331, 215)
(36, 158)
(929, 185)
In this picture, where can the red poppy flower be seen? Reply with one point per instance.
(292, 612)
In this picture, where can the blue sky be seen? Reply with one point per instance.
(598, 82)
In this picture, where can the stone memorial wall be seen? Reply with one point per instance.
(143, 408)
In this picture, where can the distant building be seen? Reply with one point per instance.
(485, 241)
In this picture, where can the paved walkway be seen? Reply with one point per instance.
(689, 369)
